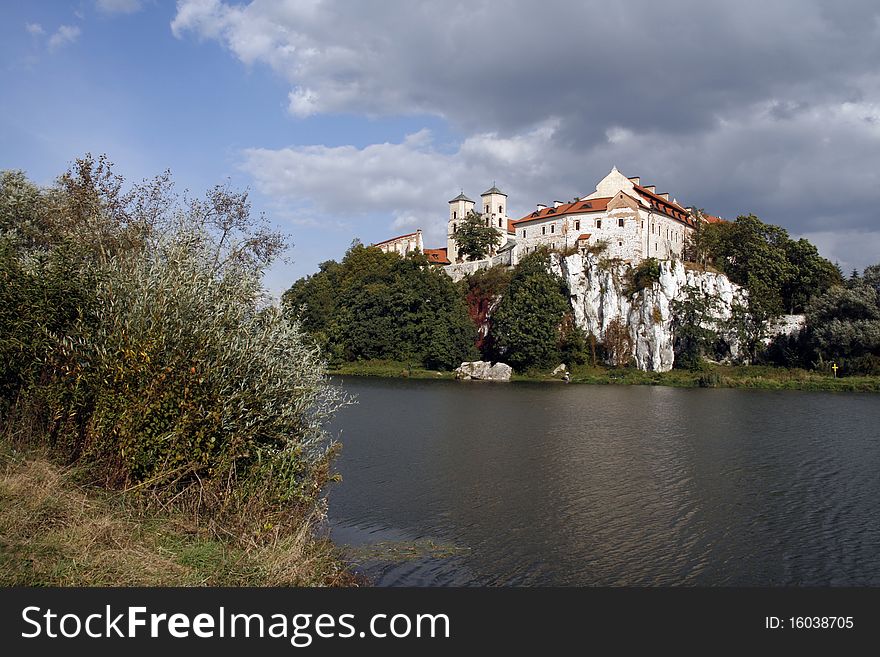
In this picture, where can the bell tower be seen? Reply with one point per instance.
(494, 211)
(459, 207)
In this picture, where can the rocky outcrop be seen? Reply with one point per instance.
(598, 296)
(483, 371)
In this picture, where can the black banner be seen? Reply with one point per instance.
(430, 621)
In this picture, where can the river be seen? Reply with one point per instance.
(469, 483)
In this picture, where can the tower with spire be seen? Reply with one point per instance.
(492, 211)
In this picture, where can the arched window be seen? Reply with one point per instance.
(454, 215)
(500, 209)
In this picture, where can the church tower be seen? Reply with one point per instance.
(494, 210)
(458, 210)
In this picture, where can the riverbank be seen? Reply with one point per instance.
(56, 530)
(715, 376)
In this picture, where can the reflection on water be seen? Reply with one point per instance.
(530, 484)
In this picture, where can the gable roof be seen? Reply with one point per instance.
(670, 209)
(581, 206)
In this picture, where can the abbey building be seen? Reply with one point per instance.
(632, 221)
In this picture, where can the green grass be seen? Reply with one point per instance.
(388, 368)
(722, 376)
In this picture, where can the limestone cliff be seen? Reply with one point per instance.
(598, 296)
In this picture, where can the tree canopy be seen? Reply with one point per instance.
(474, 237)
(376, 305)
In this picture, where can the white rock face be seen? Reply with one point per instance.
(483, 371)
(597, 298)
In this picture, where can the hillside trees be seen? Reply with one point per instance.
(526, 325)
(375, 305)
(780, 274)
(843, 324)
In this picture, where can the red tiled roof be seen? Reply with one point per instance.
(668, 208)
(575, 207)
(393, 239)
(437, 256)
(583, 236)
(713, 220)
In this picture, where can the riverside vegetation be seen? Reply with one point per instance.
(381, 314)
(161, 422)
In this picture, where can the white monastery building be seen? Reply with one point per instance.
(634, 222)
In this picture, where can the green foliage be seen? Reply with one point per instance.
(573, 346)
(694, 328)
(474, 237)
(376, 305)
(135, 333)
(843, 324)
(642, 276)
(780, 274)
(485, 288)
(526, 325)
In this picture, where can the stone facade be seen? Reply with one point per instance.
(633, 221)
(403, 244)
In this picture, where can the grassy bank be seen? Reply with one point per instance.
(717, 376)
(56, 530)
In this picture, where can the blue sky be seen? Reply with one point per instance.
(353, 119)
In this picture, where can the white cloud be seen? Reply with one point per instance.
(34, 28)
(63, 35)
(408, 183)
(771, 108)
(118, 6)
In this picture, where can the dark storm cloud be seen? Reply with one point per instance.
(771, 107)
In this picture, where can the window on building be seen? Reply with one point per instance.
(499, 222)
(454, 227)
(500, 209)
(577, 224)
(620, 244)
(487, 221)
(487, 209)
(552, 228)
(524, 232)
(543, 230)
(598, 223)
(620, 222)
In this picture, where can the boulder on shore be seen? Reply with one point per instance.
(483, 371)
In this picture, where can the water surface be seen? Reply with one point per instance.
(469, 483)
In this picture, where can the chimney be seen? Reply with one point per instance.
(541, 206)
(651, 188)
(556, 204)
(664, 196)
(635, 180)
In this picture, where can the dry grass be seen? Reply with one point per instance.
(55, 531)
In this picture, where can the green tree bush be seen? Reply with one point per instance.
(474, 237)
(137, 343)
(526, 325)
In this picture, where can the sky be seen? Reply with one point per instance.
(352, 119)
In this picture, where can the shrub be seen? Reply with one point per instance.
(136, 342)
(617, 343)
(642, 276)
